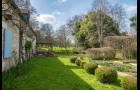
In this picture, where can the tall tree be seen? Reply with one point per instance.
(70, 24)
(116, 12)
(47, 32)
(133, 20)
(103, 6)
(91, 30)
(62, 37)
(71, 21)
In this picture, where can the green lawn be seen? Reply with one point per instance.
(60, 50)
(51, 73)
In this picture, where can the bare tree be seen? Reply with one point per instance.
(25, 4)
(70, 24)
(71, 21)
(47, 32)
(118, 14)
(100, 6)
(34, 23)
(62, 37)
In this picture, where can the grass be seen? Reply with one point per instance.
(60, 50)
(9, 77)
(51, 73)
(56, 73)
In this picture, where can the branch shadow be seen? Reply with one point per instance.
(74, 82)
(117, 83)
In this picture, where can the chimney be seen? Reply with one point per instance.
(26, 14)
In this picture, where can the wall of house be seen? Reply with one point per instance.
(14, 57)
(33, 39)
(34, 45)
(9, 62)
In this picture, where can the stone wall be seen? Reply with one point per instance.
(33, 40)
(9, 62)
(7, 24)
(34, 45)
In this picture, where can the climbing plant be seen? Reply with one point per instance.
(28, 46)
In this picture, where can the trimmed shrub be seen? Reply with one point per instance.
(101, 53)
(129, 83)
(126, 45)
(82, 64)
(77, 50)
(81, 58)
(90, 67)
(72, 59)
(106, 74)
(77, 62)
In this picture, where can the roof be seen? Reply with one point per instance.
(19, 12)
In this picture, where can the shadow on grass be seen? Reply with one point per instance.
(51, 74)
(117, 83)
(73, 67)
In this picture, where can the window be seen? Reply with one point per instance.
(7, 43)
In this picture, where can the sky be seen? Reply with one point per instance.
(57, 12)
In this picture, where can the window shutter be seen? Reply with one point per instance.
(7, 43)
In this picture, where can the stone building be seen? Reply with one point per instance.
(15, 32)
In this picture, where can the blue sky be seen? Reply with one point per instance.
(56, 12)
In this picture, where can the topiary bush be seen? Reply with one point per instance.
(90, 67)
(106, 74)
(77, 62)
(72, 59)
(77, 50)
(101, 53)
(82, 64)
(81, 58)
(129, 83)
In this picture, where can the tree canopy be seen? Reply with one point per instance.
(91, 30)
(133, 20)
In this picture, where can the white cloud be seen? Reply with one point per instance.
(57, 13)
(130, 8)
(58, 2)
(46, 18)
(61, 1)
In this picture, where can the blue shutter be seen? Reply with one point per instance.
(7, 43)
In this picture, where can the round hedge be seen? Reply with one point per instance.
(90, 67)
(81, 58)
(72, 59)
(106, 74)
(77, 62)
(82, 64)
(101, 53)
(129, 83)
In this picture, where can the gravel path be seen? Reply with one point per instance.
(122, 74)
